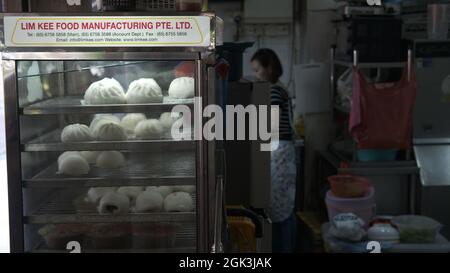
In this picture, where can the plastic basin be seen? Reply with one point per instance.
(349, 186)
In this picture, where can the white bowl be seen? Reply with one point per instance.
(383, 232)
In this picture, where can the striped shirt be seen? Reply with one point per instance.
(280, 97)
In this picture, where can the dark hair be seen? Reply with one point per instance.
(268, 58)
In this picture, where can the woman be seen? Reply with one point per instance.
(267, 67)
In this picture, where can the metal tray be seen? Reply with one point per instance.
(73, 105)
(67, 207)
(185, 242)
(52, 142)
(141, 170)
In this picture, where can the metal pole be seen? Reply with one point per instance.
(409, 64)
(332, 85)
(218, 247)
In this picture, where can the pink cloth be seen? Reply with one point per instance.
(381, 117)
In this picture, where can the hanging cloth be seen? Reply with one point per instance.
(381, 114)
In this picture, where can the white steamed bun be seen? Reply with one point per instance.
(188, 189)
(149, 201)
(76, 133)
(149, 129)
(106, 91)
(109, 130)
(168, 119)
(90, 156)
(114, 203)
(163, 190)
(182, 88)
(110, 160)
(144, 91)
(178, 202)
(130, 121)
(131, 192)
(72, 163)
(95, 194)
(99, 117)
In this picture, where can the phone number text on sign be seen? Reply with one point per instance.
(107, 31)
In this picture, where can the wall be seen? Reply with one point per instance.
(317, 36)
(282, 44)
(314, 37)
(227, 11)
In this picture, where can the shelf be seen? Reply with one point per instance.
(404, 167)
(120, 63)
(111, 182)
(97, 218)
(155, 250)
(52, 142)
(141, 170)
(185, 242)
(441, 245)
(371, 65)
(58, 213)
(73, 105)
(67, 208)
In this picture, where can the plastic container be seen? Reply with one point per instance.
(189, 5)
(349, 186)
(376, 155)
(415, 229)
(242, 232)
(364, 207)
(438, 21)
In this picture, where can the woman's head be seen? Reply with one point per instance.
(266, 65)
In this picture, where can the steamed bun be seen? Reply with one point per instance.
(106, 91)
(182, 88)
(149, 129)
(100, 117)
(163, 190)
(108, 130)
(188, 189)
(90, 156)
(95, 194)
(72, 163)
(168, 119)
(110, 160)
(67, 154)
(149, 201)
(131, 192)
(76, 133)
(144, 91)
(130, 121)
(114, 203)
(178, 202)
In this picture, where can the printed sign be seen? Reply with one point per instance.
(136, 31)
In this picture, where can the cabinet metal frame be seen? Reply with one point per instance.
(12, 113)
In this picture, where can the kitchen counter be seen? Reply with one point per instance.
(442, 245)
